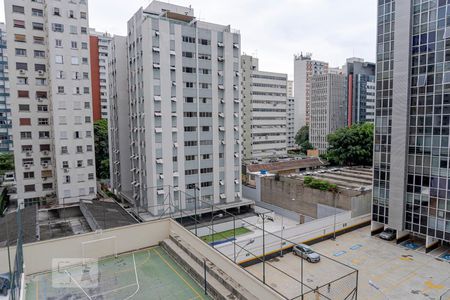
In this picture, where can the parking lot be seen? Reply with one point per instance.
(386, 270)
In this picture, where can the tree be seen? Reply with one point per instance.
(351, 146)
(6, 162)
(101, 148)
(305, 146)
(302, 135)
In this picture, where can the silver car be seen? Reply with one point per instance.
(305, 252)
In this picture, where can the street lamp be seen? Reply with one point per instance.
(242, 248)
(195, 205)
(212, 227)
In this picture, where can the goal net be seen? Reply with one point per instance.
(93, 250)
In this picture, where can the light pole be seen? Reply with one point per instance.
(212, 227)
(281, 238)
(242, 248)
(195, 206)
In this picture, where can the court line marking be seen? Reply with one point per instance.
(76, 282)
(173, 269)
(137, 280)
(114, 290)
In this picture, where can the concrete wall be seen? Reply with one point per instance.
(252, 284)
(291, 194)
(38, 256)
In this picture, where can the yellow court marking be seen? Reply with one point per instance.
(181, 277)
(430, 285)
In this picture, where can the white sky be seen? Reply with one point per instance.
(272, 30)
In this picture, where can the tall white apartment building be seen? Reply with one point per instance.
(304, 69)
(264, 98)
(328, 107)
(290, 123)
(119, 118)
(6, 143)
(48, 51)
(99, 43)
(183, 85)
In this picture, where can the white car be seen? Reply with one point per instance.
(305, 252)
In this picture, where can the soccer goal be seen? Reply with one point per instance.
(98, 248)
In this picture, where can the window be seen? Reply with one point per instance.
(189, 84)
(205, 85)
(60, 74)
(56, 27)
(29, 188)
(188, 54)
(75, 60)
(83, 15)
(56, 11)
(90, 162)
(24, 121)
(188, 39)
(86, 90)
(206, 156)
(38, 26)
(43, 121)
(23, 94)
(21, 66)
(88, 134)
(39, 54)
(28, 175)
(37, 12)
(18, 9)
(22, 80)
(25, 135)
(79, 149)
(66, 179)
(39, 40)
(91, 176)
(47, 186)
(60, 90)
(70, 14)
(59, 59)
(189, 99)
(24, 107)
(79, 163)
(204, 42)
(58, 43)
(39, 67)
(44, 134)
(84, 45)
(89, 148)
(87, 105)
(64, 150)
(42, 108)
(21, 52)
(204, 56)
(190, 157)
(87, 119)
(20, 38)
(73, 29)
(19, 23)
(84, 60)
(205, 128)
(41, 81)
(83, 30)
(74, 45)
(27, 148)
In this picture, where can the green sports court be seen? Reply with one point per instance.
(145, 274)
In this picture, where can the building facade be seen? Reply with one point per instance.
(99, 48)
(290, 123)
(119, 119)
(360, 91)
(328, 107)
(264, 103)
(184, 107)
(48, 53)
(304, 69)
(6, 141)
(411, 152)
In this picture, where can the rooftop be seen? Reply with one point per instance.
(286, 165)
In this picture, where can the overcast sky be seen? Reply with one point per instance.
(272, 30)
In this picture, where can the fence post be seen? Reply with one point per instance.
(204, 274)
(234, 241)
(301, 275)
(356, 289)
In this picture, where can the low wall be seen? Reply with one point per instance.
(252, 284)
(304, 233)
(38, 256)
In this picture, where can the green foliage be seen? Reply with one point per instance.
(6, 162)
(101, 148)
(351, 146)
(302, 135)
(319, 184)
(220, 236)
(305, 146)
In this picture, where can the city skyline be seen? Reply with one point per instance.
(288, 24)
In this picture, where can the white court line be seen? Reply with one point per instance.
(114, 290)
(137, 280)
(76, 282)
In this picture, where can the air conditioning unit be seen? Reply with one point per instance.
(40, 99)
(45, 165)
(45, 152)
(28, 153)
(66, 170)
(40, 72)
(21, 71)
(27, 166)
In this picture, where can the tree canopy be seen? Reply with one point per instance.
(302, 139)
(351, 146)
(6, 162)
(101, 148)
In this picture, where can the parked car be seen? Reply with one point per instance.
(388, 234)
(305, 252)
(4, 285)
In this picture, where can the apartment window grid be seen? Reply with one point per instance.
(383, 120)
(428, 186)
